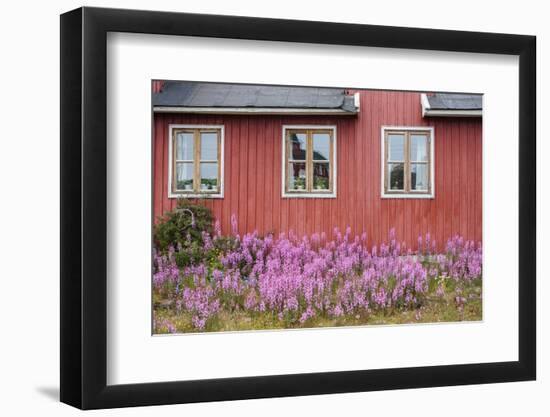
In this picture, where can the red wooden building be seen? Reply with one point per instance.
(312, 159)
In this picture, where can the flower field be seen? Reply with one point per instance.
(265, 282)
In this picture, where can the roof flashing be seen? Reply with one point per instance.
(253, 110)
(187, 96)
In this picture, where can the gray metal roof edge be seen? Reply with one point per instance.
(455, 101)
(211, 95)
(255, 110)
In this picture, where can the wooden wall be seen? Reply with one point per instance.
(253, 174)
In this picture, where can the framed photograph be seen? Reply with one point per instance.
(256, 208)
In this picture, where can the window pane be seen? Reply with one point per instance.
(184, 176)
(397, 176)
(321, 146)
(396, 147)
(297, 176)
(209, 176)
(419, 177)
(298, 146)
(184, 146)
(209, 146)
(419, 148)
(321, 175)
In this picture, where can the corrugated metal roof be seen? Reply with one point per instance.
(198, 94)
(444, 101)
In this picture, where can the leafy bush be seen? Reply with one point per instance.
(183, 227)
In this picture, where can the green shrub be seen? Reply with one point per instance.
(183, 227)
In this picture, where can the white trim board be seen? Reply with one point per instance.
(222, 141)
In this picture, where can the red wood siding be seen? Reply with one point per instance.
(252, 177)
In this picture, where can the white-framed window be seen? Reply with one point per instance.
(309, 161)
(407, 162)
(195, 166)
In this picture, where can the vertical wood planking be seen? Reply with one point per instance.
(375, 217)
(158, 166)
(276, 184)
(252, 174)
(268, 170)
(242, 151)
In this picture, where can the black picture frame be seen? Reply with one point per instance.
(84, 207)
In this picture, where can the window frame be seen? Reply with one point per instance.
(331, 193)
(406, 192)
(196, 192)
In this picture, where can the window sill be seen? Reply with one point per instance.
(308, 195)
(195, 195)
(409, 196)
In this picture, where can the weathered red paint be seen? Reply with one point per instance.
(252, 178)
(157, 86)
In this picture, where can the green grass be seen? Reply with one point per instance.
(434, 310)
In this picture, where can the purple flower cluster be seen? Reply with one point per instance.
(163, 326)
(297, 279)
(462, 260)
(201, 302)
(166, 269)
